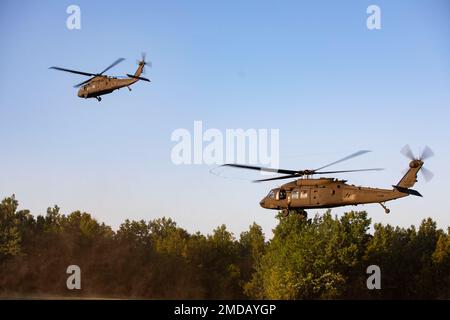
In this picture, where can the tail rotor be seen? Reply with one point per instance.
(425, 154)
(143, 62)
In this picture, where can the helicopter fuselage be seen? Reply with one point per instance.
(304, 194)
(102, 85)
(308, 193)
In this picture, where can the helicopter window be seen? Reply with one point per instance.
(304, 194)
(295, 194)
(282, 195)
(271, 194)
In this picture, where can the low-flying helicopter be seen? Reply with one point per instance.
(100, 84)
(308, 193)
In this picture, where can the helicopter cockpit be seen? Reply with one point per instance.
(85, 89)
(271, 200)
(271, 194)
(81, 91)
(277, 194)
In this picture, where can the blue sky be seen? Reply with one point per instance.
(309, 68)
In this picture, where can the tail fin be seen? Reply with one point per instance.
(139, 69)
(410, 178)
(142, 63)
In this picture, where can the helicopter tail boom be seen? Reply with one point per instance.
(415, 165)
(141, 64)
(139, 70)
(410, 178)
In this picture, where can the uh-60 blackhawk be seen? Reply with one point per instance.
(308, 193)
(100, 84)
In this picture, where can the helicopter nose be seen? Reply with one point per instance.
(262, 202)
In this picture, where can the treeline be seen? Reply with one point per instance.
(324, 257)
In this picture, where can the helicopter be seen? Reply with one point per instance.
(100, 84)
(308, 193)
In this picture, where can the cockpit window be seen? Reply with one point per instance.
(271, 194)
(281, 194)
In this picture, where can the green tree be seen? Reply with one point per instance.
(10, 235)
(322, 258)
(441, 262)
(252, 247)
(308, 259)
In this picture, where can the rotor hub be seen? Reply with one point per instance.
(415, 163)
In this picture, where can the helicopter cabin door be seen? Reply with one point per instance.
(324, 196)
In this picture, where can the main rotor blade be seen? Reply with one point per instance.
(324, 172)
(342, 171)
(427, 174)
(112, 65)
(426, 153)
(406, 151)
(260, 168)
(344, 159)
(73, 71)
(84, 82)
(278, 178)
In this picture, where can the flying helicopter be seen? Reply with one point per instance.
(308, 193)
(100, 84)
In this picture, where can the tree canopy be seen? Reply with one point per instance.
(324, 257)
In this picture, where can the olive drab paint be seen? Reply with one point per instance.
(100, 84)
(322, 193)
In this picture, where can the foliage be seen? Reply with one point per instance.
(321, 258)
(310, 259)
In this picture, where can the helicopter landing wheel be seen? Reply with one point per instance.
(385, 208)
(285, 213)
(99, 99)
(302, 213)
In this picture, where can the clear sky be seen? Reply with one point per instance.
(309, 68)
